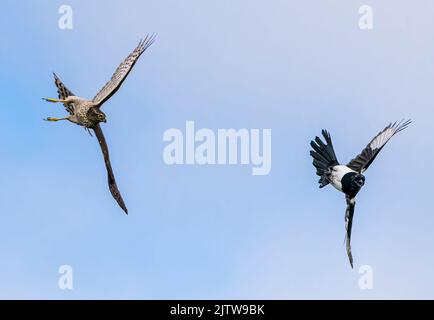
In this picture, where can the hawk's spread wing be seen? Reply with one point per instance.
(364, 159)
(122, 72)
(111, 178)
(349, 213)
(63, 93)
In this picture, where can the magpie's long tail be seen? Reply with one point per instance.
(324, 157)
(349, 213)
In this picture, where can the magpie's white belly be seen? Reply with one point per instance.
(337, 175)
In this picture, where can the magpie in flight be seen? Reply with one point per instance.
(349, 178)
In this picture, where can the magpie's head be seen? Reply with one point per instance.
(359, 180)
(352, 182)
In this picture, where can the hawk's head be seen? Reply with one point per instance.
(96, 115)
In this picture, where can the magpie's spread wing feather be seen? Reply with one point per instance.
(324, 157)
(111, 178)
(349, 213)
(364, 159)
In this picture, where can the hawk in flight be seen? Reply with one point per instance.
(87, 113)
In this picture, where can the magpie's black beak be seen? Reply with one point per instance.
(360, 181)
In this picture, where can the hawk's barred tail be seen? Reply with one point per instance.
(324, 157)
(63, 92)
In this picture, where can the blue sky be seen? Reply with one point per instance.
(216, 231)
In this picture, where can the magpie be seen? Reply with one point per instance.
(349, 178)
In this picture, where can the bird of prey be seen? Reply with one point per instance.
(87, 113)
(349, 178)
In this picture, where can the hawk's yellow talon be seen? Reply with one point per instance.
(53, 100)
(55, 119)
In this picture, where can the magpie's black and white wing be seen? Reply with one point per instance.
(349, 213)
(63, 93)
(324, 157)
(364, 159)
(122, 72)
